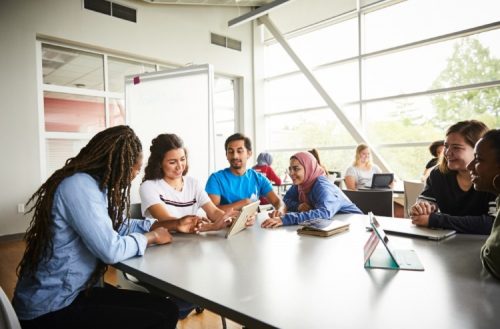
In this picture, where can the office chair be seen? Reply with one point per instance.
(378, 202)
(135, 210)
(8, 317)
(412, 191)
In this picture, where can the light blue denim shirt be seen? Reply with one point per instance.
(326, 200)
(83, 233)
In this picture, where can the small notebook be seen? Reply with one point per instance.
(322, 227)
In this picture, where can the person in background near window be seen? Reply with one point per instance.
(485, 173)
(81, 223)
(361, 172)
(170, 196)
(237, 186)
(263, 166)
(311, 196)
(436, 149)
(315, 153)
(448, 200)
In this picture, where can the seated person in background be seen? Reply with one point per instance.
(237, 186)
(448, 200)
(361, 172)
(263, 166)
(312, 195)
(436, 149)
(170, 196)
(79, 225)
(315, 153)
(485, 173)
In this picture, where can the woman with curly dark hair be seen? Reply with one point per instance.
(171, 196)
(81, 223)
(485, 172)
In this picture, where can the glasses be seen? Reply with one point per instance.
(294, 169)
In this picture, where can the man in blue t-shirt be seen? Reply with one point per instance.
(237, 186)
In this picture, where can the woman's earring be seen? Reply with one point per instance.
(496, 184)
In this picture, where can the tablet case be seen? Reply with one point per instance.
(388, 258)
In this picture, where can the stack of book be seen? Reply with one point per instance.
(322, 227)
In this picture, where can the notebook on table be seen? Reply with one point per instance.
(322, 227)
(388, 257)
(238, 224)
(404, 227)
(381, 181)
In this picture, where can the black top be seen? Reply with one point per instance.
(432, 162)
(463, 211)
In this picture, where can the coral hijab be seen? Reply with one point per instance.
(312, 170)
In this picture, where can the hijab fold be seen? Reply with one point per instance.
(312, 170)
(264, 159)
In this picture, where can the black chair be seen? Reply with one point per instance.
(378, 202)
(135, 210)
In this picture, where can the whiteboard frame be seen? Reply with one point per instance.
(132, 116)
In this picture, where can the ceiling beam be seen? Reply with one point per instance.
(254, 14)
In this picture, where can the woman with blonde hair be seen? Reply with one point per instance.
(361, 172)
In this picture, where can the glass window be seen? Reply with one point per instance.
(414, 20)
(407, 161)
(224, 112)
(277, 61)
(72, 68)
(446, 64)
(223, 101)
(73, 113)
(60, 150)
(118, 68)
(289, 93)
(341, 81)
(116, 110)
(332, 43)
(90, 106)
(425, 118)
(306, 129)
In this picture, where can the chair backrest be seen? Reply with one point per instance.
(378, 202)
(135, 211)
(412, 191)
(8, 317)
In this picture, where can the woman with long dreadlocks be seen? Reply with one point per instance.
(80, 223)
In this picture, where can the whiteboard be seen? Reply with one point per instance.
(178, 102)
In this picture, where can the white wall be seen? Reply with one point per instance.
(176, 34)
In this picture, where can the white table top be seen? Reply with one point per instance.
(277, 278)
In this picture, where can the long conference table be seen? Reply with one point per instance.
(266, 278)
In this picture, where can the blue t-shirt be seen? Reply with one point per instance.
(232, 188)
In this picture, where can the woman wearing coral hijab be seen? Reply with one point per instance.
(312, 195)
(485, 173)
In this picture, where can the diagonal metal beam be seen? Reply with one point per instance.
(254, 14)
(355, 133)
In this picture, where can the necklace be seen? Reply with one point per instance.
(177, 186)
